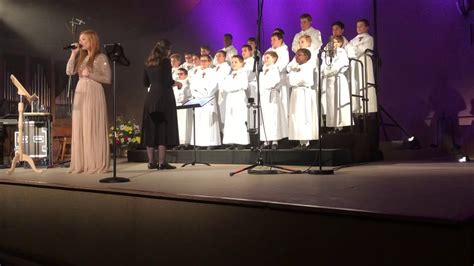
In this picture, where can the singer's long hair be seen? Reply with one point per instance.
(161, 50)
(93, 39)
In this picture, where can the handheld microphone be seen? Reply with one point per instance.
(71, 47)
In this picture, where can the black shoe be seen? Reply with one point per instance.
(274, 146)
(175, 148)
(152, 166)
(165, 166)
(297, 147)
(210, 148)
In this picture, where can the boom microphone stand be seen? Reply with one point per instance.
(116, 54)
(258, 106)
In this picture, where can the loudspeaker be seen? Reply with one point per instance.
(35, 139)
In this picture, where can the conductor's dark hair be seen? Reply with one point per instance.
(306, 16)
(365, 21)
(160, 51)
(339, 24)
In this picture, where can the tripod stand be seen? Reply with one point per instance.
(260, 162)
(116, 54)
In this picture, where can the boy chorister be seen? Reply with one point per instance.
(356, 49)
(204, 84)
(175, 63)
(306, 29)
(222, 69)
(188, 61)
(182, 95)
(235, 85)
(281, 50)
(273, 122)
(334, 65)
(196, 65)
(303, 118)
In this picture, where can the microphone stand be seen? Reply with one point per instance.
(320, 171)
(115, 53)
(258, 106)
(74, 24)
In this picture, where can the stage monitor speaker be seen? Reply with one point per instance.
(35, 139)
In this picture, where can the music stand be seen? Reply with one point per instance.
(195, 103)
(115, 54)
(19, 155)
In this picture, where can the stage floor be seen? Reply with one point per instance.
(436, 191)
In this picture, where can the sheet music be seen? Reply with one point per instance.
(200, 101)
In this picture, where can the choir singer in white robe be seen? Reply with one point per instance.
(356, 49)
(235, 85)
(334, 65)
(204, 84)
(307, 29)
(188, 61)
(303, 115)
(175, 63)
(281, 50)
(222, 69)
(182, 95)
(273, 122)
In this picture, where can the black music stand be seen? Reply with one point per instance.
(116, 55)
(195, 103)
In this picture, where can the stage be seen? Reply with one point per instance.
(419, 208)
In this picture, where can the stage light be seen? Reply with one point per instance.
(463, 159)
(412, 138)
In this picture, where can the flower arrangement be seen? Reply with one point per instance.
(128, 133)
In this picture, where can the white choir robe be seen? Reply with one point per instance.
(303, 115)
(316, 40)
(193, 71)
(273, 122)
(281, 63)
(252, 89)
(235, 127)
(314, 61)
(230, 51)
(174, 73)
(184, 115)
(187, 66)
(222, 71)
(356, 49)
(204, 84)
(338, 111)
